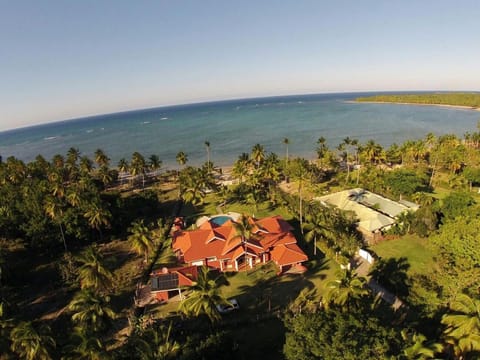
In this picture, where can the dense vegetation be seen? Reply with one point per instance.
(455, 99)
(78, 235)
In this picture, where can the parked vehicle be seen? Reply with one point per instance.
(224, 309)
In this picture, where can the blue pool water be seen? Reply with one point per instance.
(220, 220)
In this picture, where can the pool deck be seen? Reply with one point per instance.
(233, 215)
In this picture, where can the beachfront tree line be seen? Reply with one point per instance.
(64, 203)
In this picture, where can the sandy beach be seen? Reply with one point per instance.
(405, 103)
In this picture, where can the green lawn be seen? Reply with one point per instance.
(412, 247)
(210, 207)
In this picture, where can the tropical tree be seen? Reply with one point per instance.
(346, 290)
(30, 344)
(316, 227)
(462, 330)
(207, 147)
(205, 296)
(286, 142)
(181, 158)
(300, 171)
(58, 161)
(123, 166)
(322, 148)
(97, 216)
(73, 155)
(241, 166)
(138, 166)
(419, 347)
(347, 142)
(84, 346)
(91, 311)
(101, 158)
(141, 238)
(54, 209)
(5, 325)
(307, 301)
(86, 165)
(258, 154)
(154, 163)
(372, 151)
(264, 179)
(158, 344)
(244, 230)
(392, 273)
(92, 272)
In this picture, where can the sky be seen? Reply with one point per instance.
(67, 59)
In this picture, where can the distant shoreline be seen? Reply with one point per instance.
(461, 107)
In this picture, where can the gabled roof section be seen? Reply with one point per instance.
(288, 254)
(231, 244)
(240, 251)
(274, 224)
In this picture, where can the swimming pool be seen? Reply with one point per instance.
(220, 220)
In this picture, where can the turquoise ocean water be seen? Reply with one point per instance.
(233, 127)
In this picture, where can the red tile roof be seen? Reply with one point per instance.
(272, 234)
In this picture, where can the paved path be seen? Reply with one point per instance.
(362, 268)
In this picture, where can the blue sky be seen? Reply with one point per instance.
(66, 59)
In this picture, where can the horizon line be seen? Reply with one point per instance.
(211, 101)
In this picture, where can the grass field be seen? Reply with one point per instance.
(411, 247)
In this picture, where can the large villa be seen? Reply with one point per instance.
(376, 214)
(216, 243)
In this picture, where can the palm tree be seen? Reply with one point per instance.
(205, 296)
(347, 142)
(300, 171)
(286, 142)
(54, 209)
(97, 216)
(84, 346)
(86, 165)
(138, 166)
(207, 146)
(244, 230)
(181, 158)
(105, 176)
(57, 160)
(30, 344)
(258, 154)
(316, 228)
(241, 166)
(123, 166)
(101, 158)
(5, 326)
(373, 152)
(91, 311)
(463, 325)
(346, 290)
(322, 147)
(421, 348)
(154, 163)
(140, 238)
(71, 164)
(159, 345)
(73, 155)
(74, 197)
(92, 271)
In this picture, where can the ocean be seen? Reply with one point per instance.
(233, 127)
